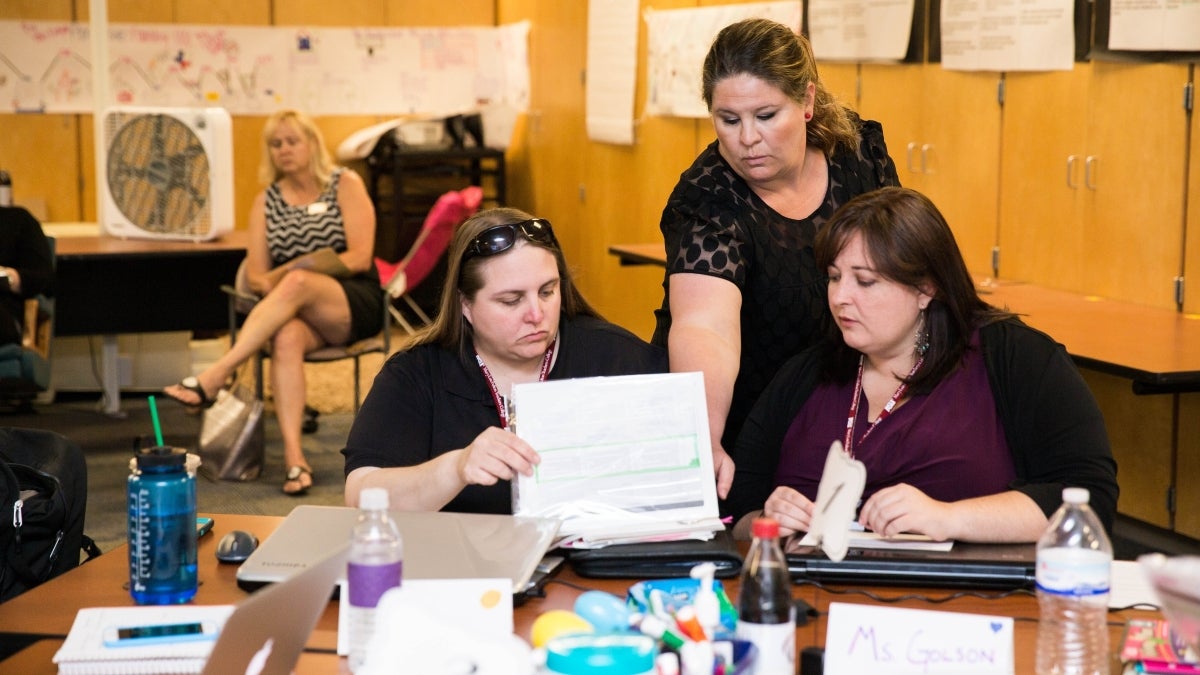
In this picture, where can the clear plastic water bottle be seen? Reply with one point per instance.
(161, 503)
(376, 555)
(766, 613)
(1074, 561)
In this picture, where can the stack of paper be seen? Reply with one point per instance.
(624, 459)
(84, 651)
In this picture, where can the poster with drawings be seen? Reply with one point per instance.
(677, 42)
(45, 67)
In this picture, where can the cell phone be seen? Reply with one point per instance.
(133, 636)
(204, 525)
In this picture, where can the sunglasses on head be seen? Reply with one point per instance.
(500, 238)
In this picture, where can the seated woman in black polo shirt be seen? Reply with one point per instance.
(432, 429)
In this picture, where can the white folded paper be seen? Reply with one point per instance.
(624, 458)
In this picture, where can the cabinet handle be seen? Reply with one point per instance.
(909, 156)
(1088, 174)
(1071, 172)
(924, 157)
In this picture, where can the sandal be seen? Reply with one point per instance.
(294, 474)
(190, 383)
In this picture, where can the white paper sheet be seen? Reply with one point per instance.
(860, 30)
(1153, 25)
(1008, 35)
(677, 41)
(622, 457)
(611, 70)
(893, 640)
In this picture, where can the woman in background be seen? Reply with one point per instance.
(433, 429)
(969, 422)
(741, 291)
(309, 204)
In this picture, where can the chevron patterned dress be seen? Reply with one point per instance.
(293, 231)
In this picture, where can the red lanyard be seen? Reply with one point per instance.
(500, 401)
(883, 414)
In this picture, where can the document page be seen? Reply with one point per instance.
(621, 457)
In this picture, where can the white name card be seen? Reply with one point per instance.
(893, 640)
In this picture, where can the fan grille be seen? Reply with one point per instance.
(158, 174)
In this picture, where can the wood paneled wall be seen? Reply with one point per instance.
(598, 194)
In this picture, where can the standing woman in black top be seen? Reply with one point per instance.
(742, 292)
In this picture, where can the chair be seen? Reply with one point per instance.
(401, 278)
(240, 303)
(25, 368)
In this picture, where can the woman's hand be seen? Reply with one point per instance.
(903, 508)
(792, 510)
(495, 455)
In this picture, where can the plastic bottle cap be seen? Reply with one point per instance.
(161, 456)
(1075, 495)
(373, 499)
(765, 528)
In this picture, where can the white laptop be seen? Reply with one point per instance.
(437, 545)
(265, 633)
(269, 629)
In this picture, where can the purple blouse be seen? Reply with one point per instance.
(948, 443)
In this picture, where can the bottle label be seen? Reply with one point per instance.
(368, 582)
(776, 644)
(1073, 572)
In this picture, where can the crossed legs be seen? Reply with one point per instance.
(305, 311)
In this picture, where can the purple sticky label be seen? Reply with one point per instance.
(368, 582)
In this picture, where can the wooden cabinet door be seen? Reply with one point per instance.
(943, 130)
(1191, 294)
(892, 95)
(961, 155)
(1041, 176)
(1134, 182)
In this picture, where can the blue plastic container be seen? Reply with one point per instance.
(161, 503)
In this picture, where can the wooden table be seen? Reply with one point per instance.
(108, 286)
(42, 617)
(1158, 349)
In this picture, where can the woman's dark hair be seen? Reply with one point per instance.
(771, 52)
(908, 241)
(464, 278)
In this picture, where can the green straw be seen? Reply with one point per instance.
(158, 439)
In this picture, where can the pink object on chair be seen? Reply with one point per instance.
(450, 210)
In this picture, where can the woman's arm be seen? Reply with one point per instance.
(258, 259)
(358, 216)
(1006, 517)
(494, 455)
(706, 336)
(1051, 420)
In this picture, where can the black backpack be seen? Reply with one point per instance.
(43, 497)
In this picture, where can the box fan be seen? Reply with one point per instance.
(168, 173)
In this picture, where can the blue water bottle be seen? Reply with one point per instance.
(162, 528)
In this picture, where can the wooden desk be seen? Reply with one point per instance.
(1158, 349)
(42, 617)
(640, 254)
(107, 286)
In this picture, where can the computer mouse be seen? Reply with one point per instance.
(236, 546)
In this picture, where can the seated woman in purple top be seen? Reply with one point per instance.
(968, 421)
